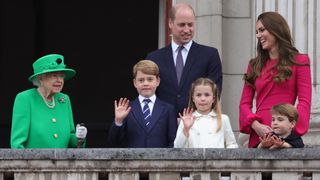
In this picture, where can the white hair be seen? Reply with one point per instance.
(36, 81)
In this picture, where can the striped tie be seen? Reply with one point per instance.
(146, 111)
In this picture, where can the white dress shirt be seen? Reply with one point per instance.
(184, 52)
(203, 133)
(150, 104)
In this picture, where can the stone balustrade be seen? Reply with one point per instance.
(159, 164)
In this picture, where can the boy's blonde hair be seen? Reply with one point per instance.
(216, 106)
(287, 110)
(147, 67)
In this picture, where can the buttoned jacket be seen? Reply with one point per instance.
(134, 133)
(202, 61)
(204, 134)
(35, 125)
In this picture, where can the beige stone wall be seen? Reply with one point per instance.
(229, 25)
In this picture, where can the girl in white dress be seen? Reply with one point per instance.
(202, 125)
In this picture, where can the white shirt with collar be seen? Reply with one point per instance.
(151, 103)
(184, 52)
(203, 133)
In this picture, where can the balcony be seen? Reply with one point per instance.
(160, 164)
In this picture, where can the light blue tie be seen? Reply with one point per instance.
(146, 111)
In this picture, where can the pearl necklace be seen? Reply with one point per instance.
(51, 105)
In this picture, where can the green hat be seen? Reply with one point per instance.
(51, 63)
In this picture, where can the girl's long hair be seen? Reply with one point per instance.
(216, 106)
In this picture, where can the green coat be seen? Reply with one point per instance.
(34, 125)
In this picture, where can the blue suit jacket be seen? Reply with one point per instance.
(202, 61)
(134, 134)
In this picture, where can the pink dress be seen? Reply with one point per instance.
(269, 93)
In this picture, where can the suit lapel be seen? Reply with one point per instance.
(156, 113)
(137, 113)
(170, 65)
(189, 63)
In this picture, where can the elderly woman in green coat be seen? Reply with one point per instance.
(42, 117)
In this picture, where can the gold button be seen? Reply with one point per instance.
(54, 120)
(55, 135)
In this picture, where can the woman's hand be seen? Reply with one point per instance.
(187, 119)
(121, 110)
(261, 129)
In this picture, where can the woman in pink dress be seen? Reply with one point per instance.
(279, 74)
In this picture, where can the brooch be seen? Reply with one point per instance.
(61, 100)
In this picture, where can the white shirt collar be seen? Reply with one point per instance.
(198, 115)
(174, 46)
(152, 98)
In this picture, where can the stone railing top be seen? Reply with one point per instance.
(159, 154)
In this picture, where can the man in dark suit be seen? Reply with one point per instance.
(146, 122)
(196, 60)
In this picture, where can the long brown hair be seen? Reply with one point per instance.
(216, 106)
(276, 25)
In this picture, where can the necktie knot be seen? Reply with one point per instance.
(146, 101)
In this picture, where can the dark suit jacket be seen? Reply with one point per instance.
(134, 134)
(202, 61)
(294, 140)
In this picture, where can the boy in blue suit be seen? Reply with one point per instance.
(140, 124)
